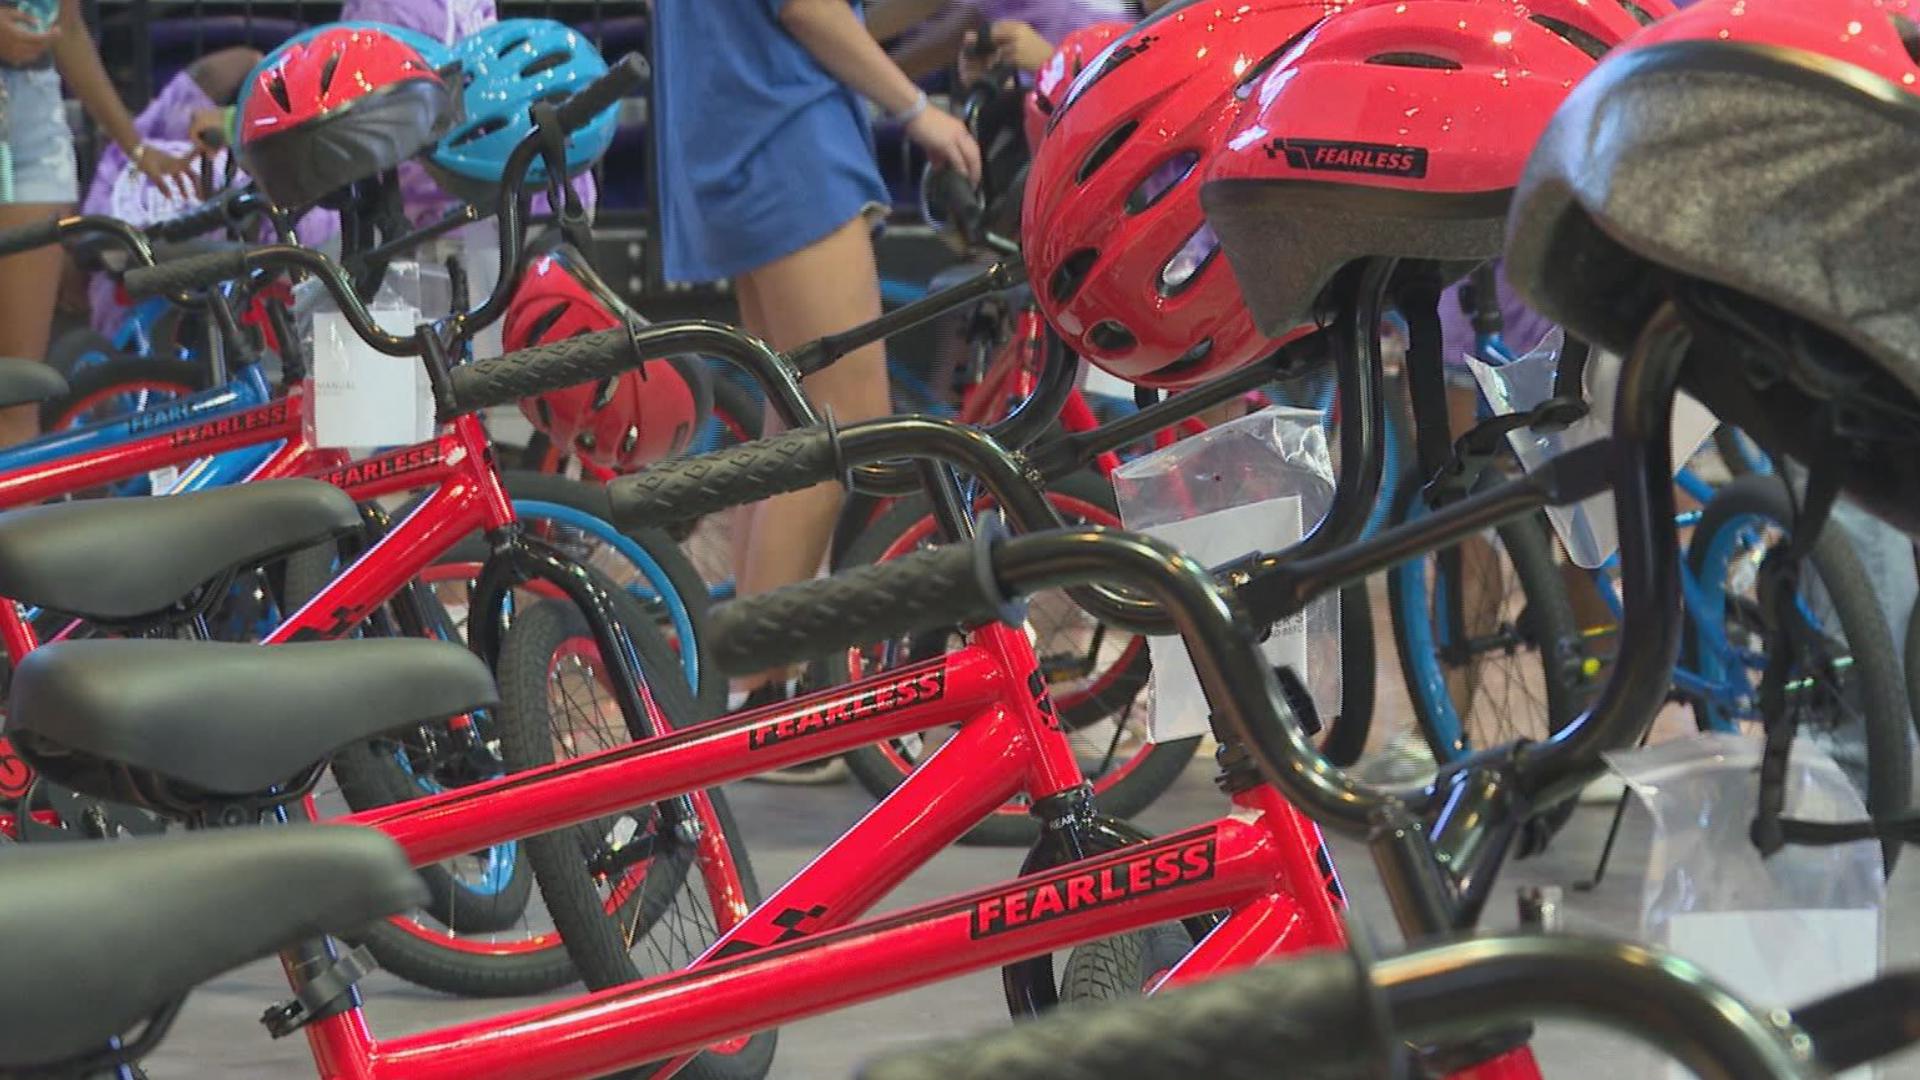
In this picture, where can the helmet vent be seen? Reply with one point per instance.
(277, 86)
(1183, 269)
(1107, 148)
(544, 63)
(1414, 60)
(326, 73)
(1110, 336)
(1186, 363)
(537, 333)
(1072, 272)
(511, 44)
(474, 133)
(1909, 35)
(1573, 35)
(1641, 15)
(1162, 180)
(1244, 87)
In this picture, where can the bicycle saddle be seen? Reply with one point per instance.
(101, 935)
(178, 726)
(120, 559)
(28, 382)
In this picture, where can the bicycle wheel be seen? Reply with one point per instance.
(1856, 709)
(478, 937)
(1518, 673)
(645, 891)
(737, 417)
(1098, 678)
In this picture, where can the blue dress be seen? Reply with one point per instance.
(762, 152)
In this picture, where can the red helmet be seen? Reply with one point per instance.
(1068, 61)
(1751, 159)
(622, 423)
(1397, 128)
(345, 104)
(1120, 257)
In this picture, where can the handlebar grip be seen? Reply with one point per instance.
(923, 590)
(190, 273)
(687, 489)
(954, 194)
(1864, 1023)
(205, 218)
(503, 380)
(28, 237)
(621, 80)
(1312, 1017)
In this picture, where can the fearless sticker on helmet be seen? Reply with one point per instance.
(1379, 159)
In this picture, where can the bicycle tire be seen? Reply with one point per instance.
(1883, 693)
(79, 349)
(1158, 765)
(95, 382)
(598, 944)
(1546, 622)
(370, 776)
(1123, 966)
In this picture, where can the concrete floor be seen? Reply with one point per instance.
(218, 1037)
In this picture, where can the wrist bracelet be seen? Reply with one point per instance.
(912, 112)
(138, 155)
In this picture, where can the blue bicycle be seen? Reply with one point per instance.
(1495, 646)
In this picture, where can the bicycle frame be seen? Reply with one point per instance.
(467, 496)
(800, 952)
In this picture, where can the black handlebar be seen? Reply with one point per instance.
(621, 80)
(1325, 1015)
(27, 237)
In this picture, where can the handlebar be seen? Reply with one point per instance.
(1327, 1015)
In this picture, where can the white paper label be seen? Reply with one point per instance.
(363, 399)
(160, 481)
(1179, 708)
(1782, 958)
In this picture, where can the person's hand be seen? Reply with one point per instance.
(22, 42)
(1015, 43)
(208, 129)
(947, 141)
(168, 172)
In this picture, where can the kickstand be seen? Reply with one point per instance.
(1613, 832)
(1606, 850)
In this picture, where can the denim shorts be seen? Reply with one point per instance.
(44, 170)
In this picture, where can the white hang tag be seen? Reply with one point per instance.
(362, 398)
(160, 481)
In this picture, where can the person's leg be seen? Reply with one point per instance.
(29, 285)
(827, 287)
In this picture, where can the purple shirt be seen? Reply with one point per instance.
(1524, 326)
(1051, 19)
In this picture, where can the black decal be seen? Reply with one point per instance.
(1379, 159)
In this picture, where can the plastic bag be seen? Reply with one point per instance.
(1778, 931)
(1256, 483)
(362, 399)
(1586, 528)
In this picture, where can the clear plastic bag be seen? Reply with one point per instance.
(1781, 930)
(1256, 483)
(1586, 528)
(362, 399)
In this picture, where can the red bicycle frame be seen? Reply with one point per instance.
(801, 952)
(458, 464)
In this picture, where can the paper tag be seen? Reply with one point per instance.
(160, 481)
(1179, 708)
(362, 398)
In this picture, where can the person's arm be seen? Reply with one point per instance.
(833, 34)
(78, 60)
(888, 19)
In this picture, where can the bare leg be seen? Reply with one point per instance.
(29, 285)
(822, 289)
